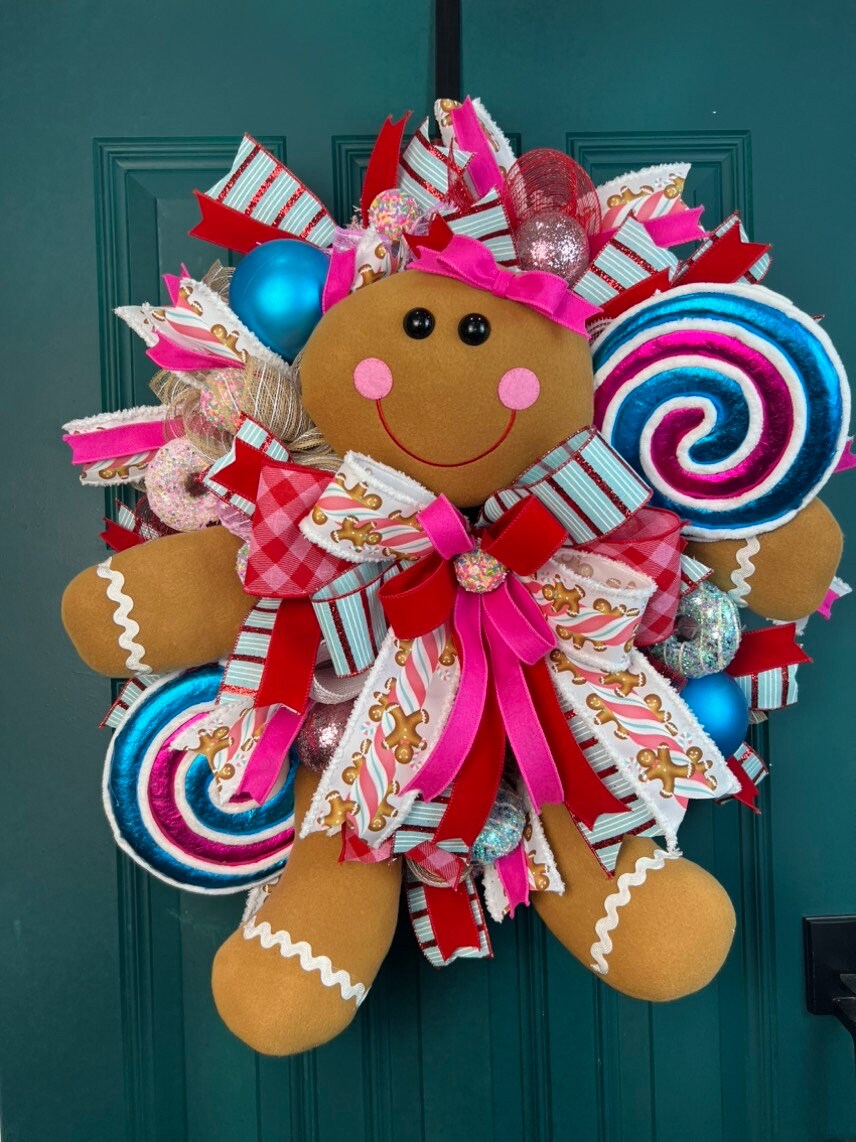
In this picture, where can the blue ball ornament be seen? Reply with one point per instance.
(276, 292)
(721, 707)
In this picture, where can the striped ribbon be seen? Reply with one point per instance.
(771, 689)
(261, 188)
(487, 221)
(629, 257)
(427, 171)
(252, 436)
(584, 482)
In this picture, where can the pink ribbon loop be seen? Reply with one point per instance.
(470, 261)
(446, 528)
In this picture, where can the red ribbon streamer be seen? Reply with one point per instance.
(118, 537)
(727, 259)
(223, 226)
(290, 662)
(767, 649)
(382, 171)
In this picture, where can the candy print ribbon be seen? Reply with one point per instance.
(654, 198)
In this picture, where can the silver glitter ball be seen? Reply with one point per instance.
(321, 733)
(706, 635)
(503, 829)
(554, 243)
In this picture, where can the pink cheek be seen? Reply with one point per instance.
(372, 378)
(519, 388)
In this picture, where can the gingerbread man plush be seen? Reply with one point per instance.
(482, 638)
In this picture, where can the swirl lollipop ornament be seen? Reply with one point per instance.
(729, 400)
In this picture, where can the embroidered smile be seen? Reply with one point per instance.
(437, 463)
(518, 388)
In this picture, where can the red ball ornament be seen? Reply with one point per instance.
(553, 208)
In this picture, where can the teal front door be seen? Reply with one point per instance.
(113, 113)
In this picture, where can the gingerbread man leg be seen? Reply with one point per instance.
(294, 975)
(660, 929)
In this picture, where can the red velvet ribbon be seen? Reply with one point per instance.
(223, 226)
(382, 171)
(748, 791)
(727, 258)
(118, 537)
(506, 693)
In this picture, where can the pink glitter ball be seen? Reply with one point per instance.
(552, 242)
(321, 733)
(392, 212)
(479, 572)
(172, 484)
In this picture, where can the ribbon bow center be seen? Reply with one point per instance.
(479, 572)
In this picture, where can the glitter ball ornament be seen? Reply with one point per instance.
(392, 212)
(219, 399)
(479, 572)
(321, 733)
(720, 705)
(554, 243)
(174, 491)
(706, 636)
(504, 827)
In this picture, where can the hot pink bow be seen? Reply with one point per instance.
(471, 262)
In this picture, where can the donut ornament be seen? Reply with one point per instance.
(733, 404)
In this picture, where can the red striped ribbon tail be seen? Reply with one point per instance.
(223, 226)
(586, 796)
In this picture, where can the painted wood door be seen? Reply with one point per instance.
(109, 1032)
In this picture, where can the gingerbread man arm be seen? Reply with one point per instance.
(788, 571)
(164, 605)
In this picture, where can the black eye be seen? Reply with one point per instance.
(474, 329)
(419, 323)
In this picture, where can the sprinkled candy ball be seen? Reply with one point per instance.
(241, 559)
(504, 827)
(479, 572)
(392, 212)
(175, 493)
(219, 399)
(706, 636)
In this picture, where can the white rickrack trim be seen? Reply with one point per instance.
(122, 616)
(263, 932)
(741, 575)
(609, 922)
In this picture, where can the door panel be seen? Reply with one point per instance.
(109, 1028)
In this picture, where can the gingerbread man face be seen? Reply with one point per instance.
(459, 389)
